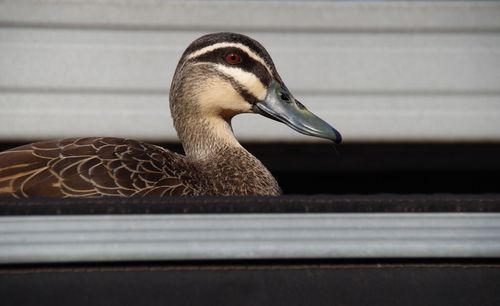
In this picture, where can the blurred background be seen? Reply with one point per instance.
(413, 86)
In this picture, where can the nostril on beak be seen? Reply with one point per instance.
(285, 97)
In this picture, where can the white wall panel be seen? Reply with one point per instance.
(379, 71)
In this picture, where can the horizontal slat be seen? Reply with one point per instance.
(68, 115)
(144, 63)
(379, 71)
(259, 15)
(359, 118)
(201, 237)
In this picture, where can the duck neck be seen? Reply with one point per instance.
(210, 145)
(203, 131)
(207, 138)
(203, 134)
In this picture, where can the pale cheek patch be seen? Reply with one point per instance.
(215, 97)
(218, 95)
(246, 79)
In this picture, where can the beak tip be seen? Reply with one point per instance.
(338, 137)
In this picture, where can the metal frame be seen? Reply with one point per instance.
(103, 238)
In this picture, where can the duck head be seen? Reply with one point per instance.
(230, 74)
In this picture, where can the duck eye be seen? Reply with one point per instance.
(233, 58)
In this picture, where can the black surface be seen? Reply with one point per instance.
(283, 204)
(402, 182)
(402, 170)
(377, 168)
(330, 284)
(383, 168)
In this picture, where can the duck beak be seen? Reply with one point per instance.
(280, 105)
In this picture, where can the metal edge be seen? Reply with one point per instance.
(57, 239)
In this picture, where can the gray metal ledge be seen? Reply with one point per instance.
(100, 238)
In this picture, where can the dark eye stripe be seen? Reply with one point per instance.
(247, 64)
(249, 97)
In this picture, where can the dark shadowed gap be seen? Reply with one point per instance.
(376, 168)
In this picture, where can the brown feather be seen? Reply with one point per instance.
(90, 167)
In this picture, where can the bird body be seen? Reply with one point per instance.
(219, 76)
(92, 167)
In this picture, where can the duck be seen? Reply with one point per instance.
(218, 76)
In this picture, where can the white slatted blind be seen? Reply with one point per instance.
(378, 71)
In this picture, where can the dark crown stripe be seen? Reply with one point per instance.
(248, 64)
(229, 38)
